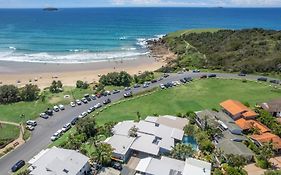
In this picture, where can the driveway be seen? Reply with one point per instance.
(40, 138)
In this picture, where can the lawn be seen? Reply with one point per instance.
(198, 95)
(31, 110)
(8, 132)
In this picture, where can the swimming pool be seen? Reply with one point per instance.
(189, 140)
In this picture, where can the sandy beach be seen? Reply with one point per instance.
(42, 74)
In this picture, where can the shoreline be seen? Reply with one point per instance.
(42, 74)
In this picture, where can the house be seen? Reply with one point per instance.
(169, 166)
(154, 136)
(236, 110)
(249, 124)
(230, 141)
(59, 161)
(273, 107)
(267, 137)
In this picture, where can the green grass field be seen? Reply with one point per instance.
(200, 94)
(8, 132)
(31, 110)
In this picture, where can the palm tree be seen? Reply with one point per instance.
(102, 154)
(133, 131)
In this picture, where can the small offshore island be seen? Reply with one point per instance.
(50, 9)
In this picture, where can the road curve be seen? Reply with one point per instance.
(40, 138)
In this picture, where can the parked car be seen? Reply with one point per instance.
(183, 80)
(162, 86)
(136, 86)
(115, 91)
(90, 110)
(187, 79)
(78, 102)
(196, 71)
(127, 88)
(31, 122)
(61, 107)
(72, 104)
(98, 95)
(18, 165)
(145, 85)
(55, 136)
(56, 109)
(117, 166)
(212, 76)
(44, 115)
(160, 79)
(93, 97)
(98, 105)
(87, 97)
(274, 81)
(49, 112)
(128, 94)
(154, 81)
(66, 127)
(242, 74)
(106, 93)
(83, 114)
(107, 101)
(169, 84)
(74, 121)
(166, 75)
(203, 76)
(84, 100)
(262, 79)
(29, 127)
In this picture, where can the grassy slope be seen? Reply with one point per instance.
(32, 110)
(202, 94)
(8, 132)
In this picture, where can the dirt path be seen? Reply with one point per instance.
(17, 142)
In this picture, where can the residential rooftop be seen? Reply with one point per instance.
(236, 108)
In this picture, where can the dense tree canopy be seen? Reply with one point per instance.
(116, 79)
(9, 94)
(248, 50)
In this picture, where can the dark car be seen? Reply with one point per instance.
(49, 112)
(127, 89)
(115, 91)
(242, 74)
(117, 166)
(128, 94)
(98, 95)
(87, 97)
(168, 85)
(212, 76)
(18, 166)
(153, 81)
(84, 100)
(262, 79)
(74, 121)
(196, 71)
(187, 79)
(183, 80)
(166, 75)
(203, 76)
(107, 101)
(274, 81)
(137, 86)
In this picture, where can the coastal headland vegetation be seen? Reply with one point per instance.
(247, 50)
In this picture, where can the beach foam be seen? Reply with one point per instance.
(71, 57)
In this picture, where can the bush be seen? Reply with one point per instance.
(9, 94)
(56, 86)
(82, 85)
(275, 172)
(116, 79)
(145, 76)
(29, 92)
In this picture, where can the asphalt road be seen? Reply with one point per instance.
(46, 128)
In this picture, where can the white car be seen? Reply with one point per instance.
(31, 122)
(66, 127)
(84, 114)
(61, 107)
(98, 105)
(91, 110)
(56, 109)
(78, 102)
(30, 128)
(55, 136)
(162, 86)
(72, 104)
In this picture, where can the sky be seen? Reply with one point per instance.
(137, 3)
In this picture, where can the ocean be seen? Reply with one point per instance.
(99, 34)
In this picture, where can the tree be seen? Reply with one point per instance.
(87, 126)
(182, 151)
(133, 131)
(29, 92)
(145, 76)
(236, 160)
(56, 86)
(82, 85)
(190, 129)
(9, 94)
(116, 79)
(102, 154)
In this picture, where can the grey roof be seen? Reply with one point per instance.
(56, 161)
(172, 121)
(207, 115)
(236, 148)
(121, 144)
(228, 121)
(145, 143)
(122, 128)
